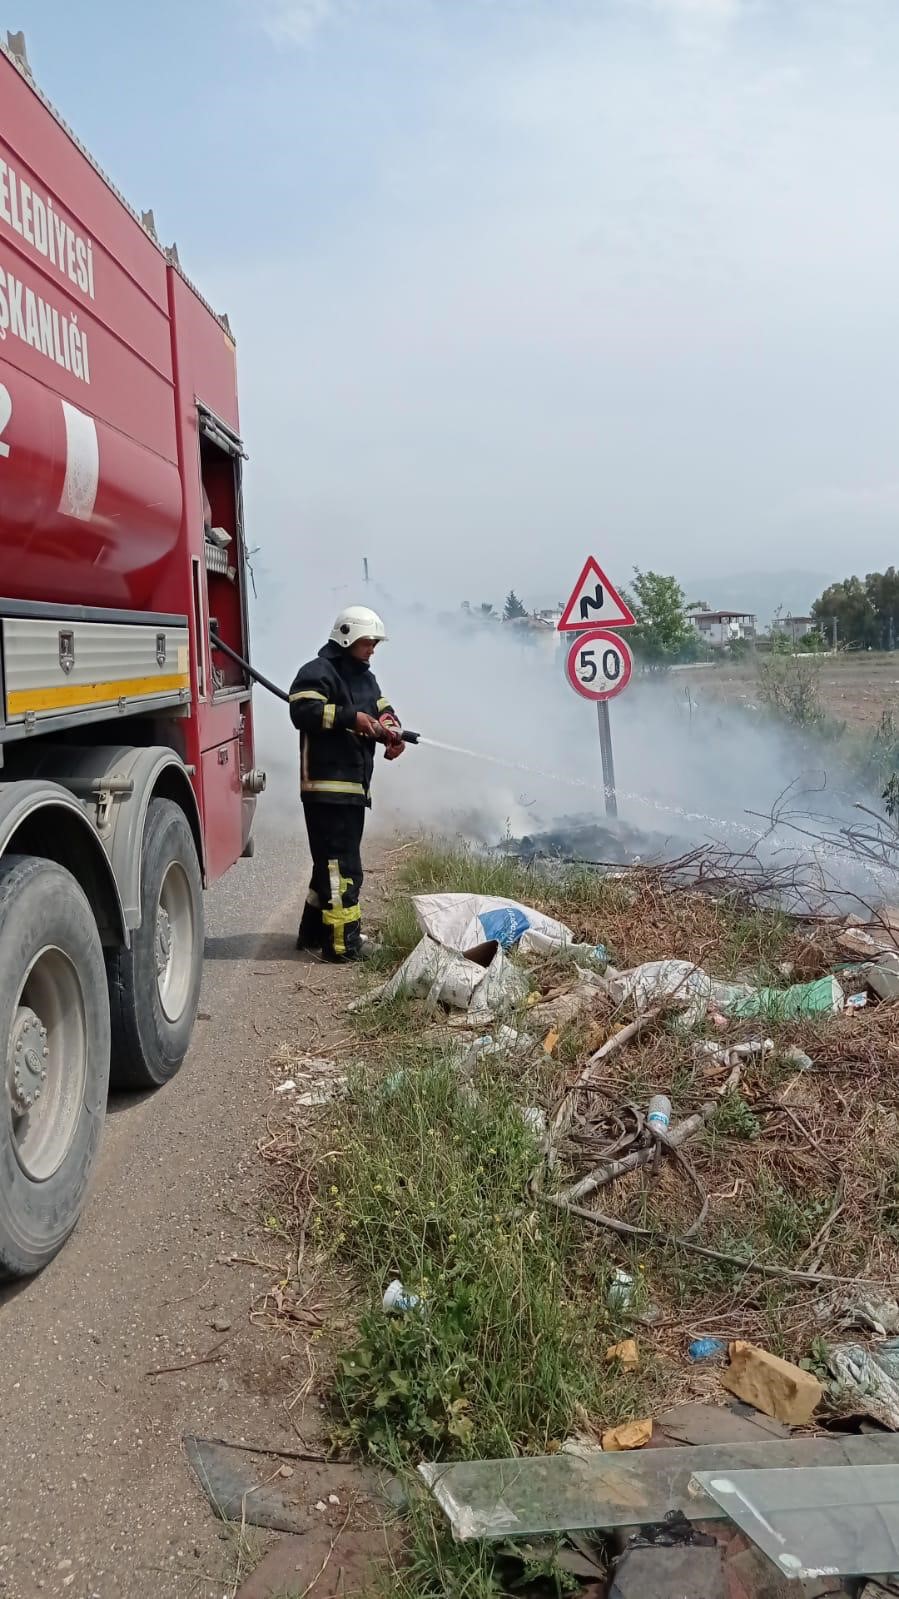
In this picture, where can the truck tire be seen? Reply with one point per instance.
(54, 1034)
(154, 987)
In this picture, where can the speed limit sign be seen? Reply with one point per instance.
(599, 664)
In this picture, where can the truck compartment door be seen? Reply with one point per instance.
(222, 807)
(54, 667)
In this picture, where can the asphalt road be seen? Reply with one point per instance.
(95, 1494)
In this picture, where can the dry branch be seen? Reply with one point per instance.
(611, 1170)
(671, 1241)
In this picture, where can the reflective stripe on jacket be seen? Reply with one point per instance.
(325, 698)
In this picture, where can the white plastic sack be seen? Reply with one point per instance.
(427, 962)
(461, 921)
(441, 976)
(504, 986)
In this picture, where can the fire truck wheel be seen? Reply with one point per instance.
(54, 1033)
(154, 987)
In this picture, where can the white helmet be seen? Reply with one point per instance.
(357, 622)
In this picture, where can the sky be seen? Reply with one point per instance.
(514, 281)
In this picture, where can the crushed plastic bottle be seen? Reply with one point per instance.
(534, 1117)
(799, 1058)
(620, 1294)
(398, 1298)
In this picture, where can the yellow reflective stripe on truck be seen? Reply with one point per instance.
(71, 696)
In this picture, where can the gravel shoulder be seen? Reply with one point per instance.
(95, 1494)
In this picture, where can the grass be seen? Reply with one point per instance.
(754, 942)
(735, 1119)
(434, 1566)
(790, 687)
(245, 1548)
(425, 1182)
(789, 1221)
(888, 1197)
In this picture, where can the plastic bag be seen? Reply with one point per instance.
(868, 1379)
(822, 997)
(462, 920)
(688, 986)
(678, 981)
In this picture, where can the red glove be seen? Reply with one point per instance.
(394, 732)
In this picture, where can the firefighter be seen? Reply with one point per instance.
(336, 704)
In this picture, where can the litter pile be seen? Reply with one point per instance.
(735, 1142)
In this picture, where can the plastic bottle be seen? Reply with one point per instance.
(534, 1118)
(659, 1114)
(396, 1297)
(621, 1290)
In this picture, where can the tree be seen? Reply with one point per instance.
(850, 604)
(882, 589)
(664, 633)
(513, 607)
(487, 608)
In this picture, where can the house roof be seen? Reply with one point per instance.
(722, 616)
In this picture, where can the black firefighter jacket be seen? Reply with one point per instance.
(326, 695)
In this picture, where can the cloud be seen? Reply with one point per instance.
(545, 288)
(295, 21)
(298, 21)
(709, 21)
(712, 9)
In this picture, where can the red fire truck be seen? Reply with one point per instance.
(127, 777)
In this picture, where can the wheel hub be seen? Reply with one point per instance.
(175, 937)
(163, 941)
(28, 1052)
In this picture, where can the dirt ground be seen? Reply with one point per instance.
(167, 1268)
(856, 688)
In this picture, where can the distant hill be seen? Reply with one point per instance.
(760, 592)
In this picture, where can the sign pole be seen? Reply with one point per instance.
(599, 663)
(608, 760)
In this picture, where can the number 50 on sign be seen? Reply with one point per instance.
(599, 664)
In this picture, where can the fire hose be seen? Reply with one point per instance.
(265, 682)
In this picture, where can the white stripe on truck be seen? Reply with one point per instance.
(79, 491)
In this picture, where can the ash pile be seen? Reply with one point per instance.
(583, 838)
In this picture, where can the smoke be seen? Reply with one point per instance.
(689, 770)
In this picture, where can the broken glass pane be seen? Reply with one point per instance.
(568, 1492)
(842, 1521)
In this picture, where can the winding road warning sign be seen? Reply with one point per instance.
(599, 664)
(595, 602)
